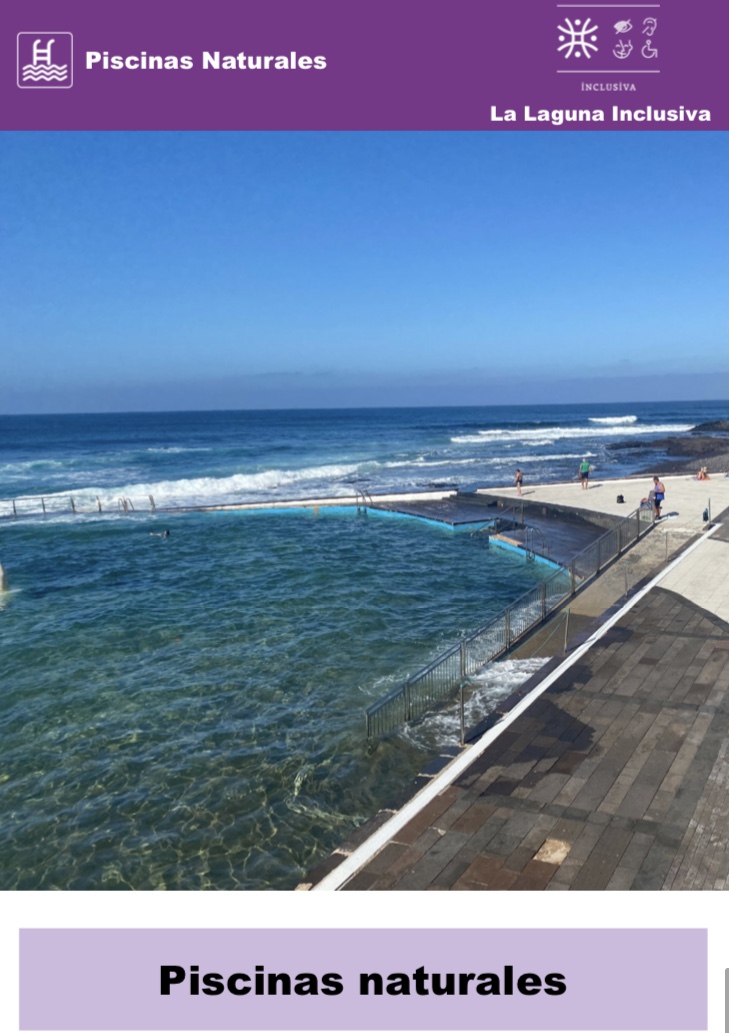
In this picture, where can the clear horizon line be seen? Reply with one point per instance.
(355, 408)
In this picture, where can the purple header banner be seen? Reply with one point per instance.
(363, 979)
(379, 65)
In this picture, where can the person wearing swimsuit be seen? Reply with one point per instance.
(518, 481)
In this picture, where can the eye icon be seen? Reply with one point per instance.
(624, 26)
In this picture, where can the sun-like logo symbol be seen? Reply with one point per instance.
(575, 41)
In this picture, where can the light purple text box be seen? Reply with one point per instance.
(617, 979)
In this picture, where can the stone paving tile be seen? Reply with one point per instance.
(519, 859)
(364, 880)
(624, 760)
(381, 862)
(405, 861)
(450, 874)
(599, 867)
(428, 816)
(622, 879)
(635, 852)
(535, 876)
(641, 794)
(483, 868)
(479, 810)
(431, 864)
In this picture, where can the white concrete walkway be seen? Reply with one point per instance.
(686, 498)
(703, 577)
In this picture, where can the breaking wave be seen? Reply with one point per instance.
(496, 682)
(205, 490)
(613, 421)
(547, 435)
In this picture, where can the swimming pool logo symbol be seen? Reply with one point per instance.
(45, 60)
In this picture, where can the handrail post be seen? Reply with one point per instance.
(507, 627)
(463, 714)
(573, 579)
(463, 658)
(543, 594)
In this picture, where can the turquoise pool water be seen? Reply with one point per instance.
(187, 712)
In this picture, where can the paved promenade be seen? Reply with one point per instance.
(686, 498)
(615, 776)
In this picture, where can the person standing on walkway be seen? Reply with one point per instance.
(585, 474)
(659, 494)
(518, 481)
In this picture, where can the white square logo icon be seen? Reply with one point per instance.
(45, 60)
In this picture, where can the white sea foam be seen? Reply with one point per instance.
(174, 450)
(31, 464)
(421, 461)
(547, 435)
(542, 459)
(505, 460)
(202, 490)
(613, 421)
(496, 682)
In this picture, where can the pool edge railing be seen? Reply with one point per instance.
(443, 677)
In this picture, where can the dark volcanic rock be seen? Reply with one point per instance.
(691, 446)
(617, 446)
(713, 426)
(716, 466)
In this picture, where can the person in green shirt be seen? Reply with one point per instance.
(585, 474)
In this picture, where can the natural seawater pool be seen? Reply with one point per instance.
(187, 712)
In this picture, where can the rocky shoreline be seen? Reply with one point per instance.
(704, 445)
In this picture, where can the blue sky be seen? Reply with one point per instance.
(214, 270)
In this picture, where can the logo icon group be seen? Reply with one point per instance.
(45, 60)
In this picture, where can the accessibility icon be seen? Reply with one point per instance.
(623, 49)
(578, 38)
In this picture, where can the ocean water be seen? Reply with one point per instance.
(187, 711)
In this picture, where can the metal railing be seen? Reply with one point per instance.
(80, 505)
(442, 678)
(535, 536)
(363, 500)
(503, 520)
